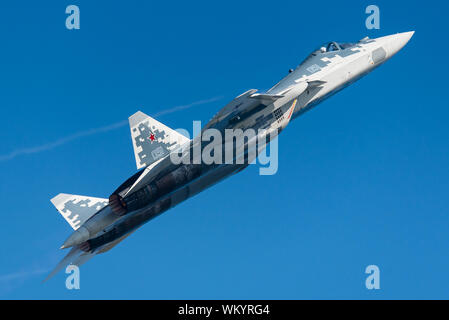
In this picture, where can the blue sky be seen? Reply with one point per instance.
(363, 178)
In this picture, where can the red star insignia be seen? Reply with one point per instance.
(152, 137)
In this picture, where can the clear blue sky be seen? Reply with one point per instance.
(363, 178)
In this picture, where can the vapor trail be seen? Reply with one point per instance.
(90, 132)
(21, 275)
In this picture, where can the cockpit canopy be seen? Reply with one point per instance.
(328, 47)
(333, 46)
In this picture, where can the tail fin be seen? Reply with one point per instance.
(151, 139)
(77, 209)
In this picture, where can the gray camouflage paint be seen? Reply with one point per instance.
(317, 78)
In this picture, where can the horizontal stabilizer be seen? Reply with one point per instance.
(75, 256)
(77, 209)
(78, 257)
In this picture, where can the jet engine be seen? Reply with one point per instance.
(154, 190)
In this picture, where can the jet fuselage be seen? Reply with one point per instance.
(163, 185)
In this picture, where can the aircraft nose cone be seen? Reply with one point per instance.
(396, 42)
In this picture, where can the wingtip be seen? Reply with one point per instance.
(50, 275)
(136, 118)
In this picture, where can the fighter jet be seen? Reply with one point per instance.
(161, 183)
